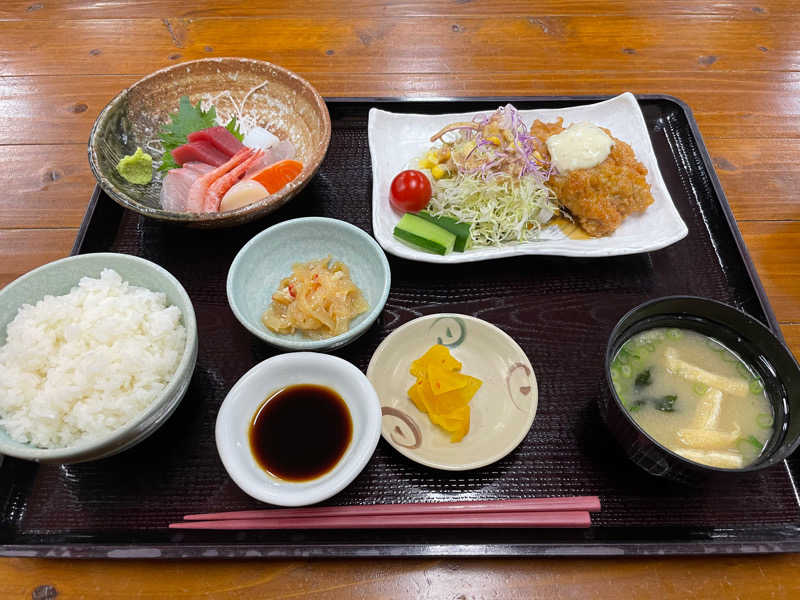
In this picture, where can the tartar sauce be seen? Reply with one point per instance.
(580, 146)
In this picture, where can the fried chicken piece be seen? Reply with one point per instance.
(602, 196)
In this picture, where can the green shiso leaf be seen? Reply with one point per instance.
(187, 120)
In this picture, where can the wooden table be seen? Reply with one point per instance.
(736, 64)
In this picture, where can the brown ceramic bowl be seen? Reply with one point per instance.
(287, 105)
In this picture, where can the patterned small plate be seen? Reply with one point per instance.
(502, 411)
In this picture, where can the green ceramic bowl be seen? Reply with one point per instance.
(58, 278)
(287, 104)
(268, 258)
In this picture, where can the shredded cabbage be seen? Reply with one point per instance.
(499, 209)
(489, 174)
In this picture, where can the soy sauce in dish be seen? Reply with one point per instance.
(300, 432)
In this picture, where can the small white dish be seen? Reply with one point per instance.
(501, 412)
(397, 139)
(271, 375)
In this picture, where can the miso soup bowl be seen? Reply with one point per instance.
(740, 332)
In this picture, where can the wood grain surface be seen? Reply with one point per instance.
(735, 63)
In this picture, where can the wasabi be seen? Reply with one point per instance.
(137, 168)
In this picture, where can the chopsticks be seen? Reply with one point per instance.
(572, 512)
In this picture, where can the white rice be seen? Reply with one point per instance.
(79, 366)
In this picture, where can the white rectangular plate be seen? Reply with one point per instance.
(395, 140)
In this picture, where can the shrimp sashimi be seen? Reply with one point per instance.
(197, 193)
(217, 189)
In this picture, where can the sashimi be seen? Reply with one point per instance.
(219, 137)
(276, 176)
(218, 188)
(259, 138)
(175, 189)
(243, 193)
(197, 193)
(283, 150)
(200, 152)
(198, 167)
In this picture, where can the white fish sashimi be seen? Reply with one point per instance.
(283, 150)
(200, 168)
(176, 185)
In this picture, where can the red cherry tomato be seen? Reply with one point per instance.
(410, 191)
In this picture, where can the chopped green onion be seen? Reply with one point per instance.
(635, 405)
(627, 351)
(651, 347)
(615, 372)
(756, 387)
(700, 388)
(675, 334)
(626, 371)
(764, 420)
(746, 445)
(743, 370)
(730, 357)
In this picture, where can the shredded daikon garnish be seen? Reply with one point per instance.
(245, 121)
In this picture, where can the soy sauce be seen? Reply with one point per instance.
(300, 432)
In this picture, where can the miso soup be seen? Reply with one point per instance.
(694, 396)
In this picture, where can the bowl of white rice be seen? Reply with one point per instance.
(96, 352)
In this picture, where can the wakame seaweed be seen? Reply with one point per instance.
(665, 403)
(643, 379)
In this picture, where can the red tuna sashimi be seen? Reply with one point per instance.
(219, 137)
(175, 188)
(217, 189)
(197, 193)
(283, 150)
(199, 152)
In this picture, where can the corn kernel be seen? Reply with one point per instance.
(494, 139)
(444, 154)
(438, 172)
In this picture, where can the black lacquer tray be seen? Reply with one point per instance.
(560, 310)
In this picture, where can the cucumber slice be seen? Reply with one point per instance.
(454, 226)
(426, 235)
